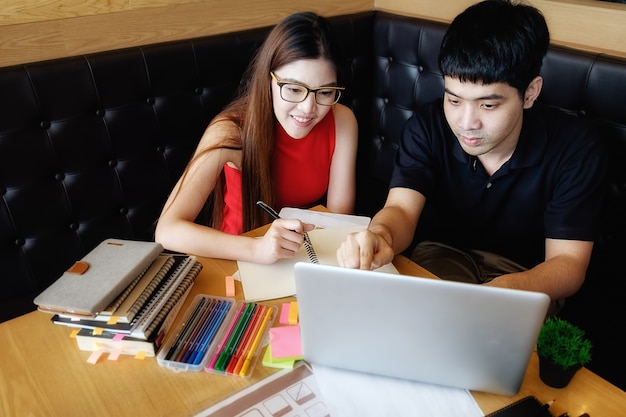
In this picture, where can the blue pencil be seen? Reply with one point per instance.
(210, 333)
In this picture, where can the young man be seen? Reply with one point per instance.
(506, 192)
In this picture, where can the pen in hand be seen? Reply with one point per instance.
(269, 210)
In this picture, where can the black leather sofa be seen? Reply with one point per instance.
(90, 146)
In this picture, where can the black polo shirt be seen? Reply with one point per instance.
(550, 188)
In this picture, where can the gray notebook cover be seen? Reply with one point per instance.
(92, 283)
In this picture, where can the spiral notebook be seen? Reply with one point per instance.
(266, 282)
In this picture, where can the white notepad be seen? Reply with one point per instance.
(266, 282)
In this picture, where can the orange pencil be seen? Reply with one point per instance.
(255, 343)
(238, 348)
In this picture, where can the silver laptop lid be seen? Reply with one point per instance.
(448, 333)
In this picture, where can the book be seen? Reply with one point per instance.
(134, 297)
(178, 279)
(92, 283)
(101, 339)
(186, 270)
(266, 282)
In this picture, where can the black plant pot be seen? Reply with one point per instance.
(553, 375)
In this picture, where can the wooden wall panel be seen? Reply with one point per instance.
(53, 31)
(34, 30)
(586, 24)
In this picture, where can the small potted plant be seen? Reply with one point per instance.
(562, 349)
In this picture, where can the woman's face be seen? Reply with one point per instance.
(299, 118)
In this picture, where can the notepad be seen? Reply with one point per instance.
(266, 282)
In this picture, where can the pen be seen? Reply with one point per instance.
(269, 210)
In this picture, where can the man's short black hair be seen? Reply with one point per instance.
(495, 41)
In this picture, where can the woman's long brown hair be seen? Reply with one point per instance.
(303, 35)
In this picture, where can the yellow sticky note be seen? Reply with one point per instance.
(141, 354)
(293, 313)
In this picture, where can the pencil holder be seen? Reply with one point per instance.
(239, 346)
(202, 325)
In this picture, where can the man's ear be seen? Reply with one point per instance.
(532, 92)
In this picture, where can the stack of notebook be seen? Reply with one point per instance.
(121, 297)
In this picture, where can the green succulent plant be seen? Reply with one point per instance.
(563, 343)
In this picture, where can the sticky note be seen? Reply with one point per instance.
(285, 342)
(276, 363)
(97, 331)
(93, 358)
(74, 333)
(113, 320)
(230, 285)
(114, 355)
(284, 313)
(293, 313)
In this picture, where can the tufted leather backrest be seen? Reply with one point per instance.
(91, 146)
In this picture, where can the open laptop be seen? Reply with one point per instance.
(441, 332)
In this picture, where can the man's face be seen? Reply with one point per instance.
(486, 118)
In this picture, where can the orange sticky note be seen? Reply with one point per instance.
(230, 286)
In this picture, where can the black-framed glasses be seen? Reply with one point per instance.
(294, 92)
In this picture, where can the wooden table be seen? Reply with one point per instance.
(43, 373)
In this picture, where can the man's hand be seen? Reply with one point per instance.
(364, 250)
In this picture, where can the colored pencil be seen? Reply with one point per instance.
(255, 343)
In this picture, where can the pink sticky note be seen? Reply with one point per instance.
(285, 342)
(284, 313)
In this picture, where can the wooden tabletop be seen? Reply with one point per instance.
(43, 373)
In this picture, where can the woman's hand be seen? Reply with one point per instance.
(282, 240)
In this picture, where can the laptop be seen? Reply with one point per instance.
(441, 332)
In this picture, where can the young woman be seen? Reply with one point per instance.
(285, 140)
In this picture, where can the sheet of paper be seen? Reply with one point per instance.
(348, 393)
(324, 219)
(266, 282)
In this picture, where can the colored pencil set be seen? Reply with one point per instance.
(239, 346)
(239, 328)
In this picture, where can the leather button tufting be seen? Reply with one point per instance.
(20, 241)
(124, 211)
(74, 226)
(45, 124)
(59, 176)
(150, 100)
(100, 112)
(420, 69)
(112, 163)
(199, 90)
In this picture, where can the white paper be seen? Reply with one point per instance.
(324, 219)
(348, 394)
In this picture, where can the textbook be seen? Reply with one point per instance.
(266, 282)
(93, 283)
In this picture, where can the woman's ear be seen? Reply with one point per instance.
(532, 92)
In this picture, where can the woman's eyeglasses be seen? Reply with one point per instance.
(296, 92)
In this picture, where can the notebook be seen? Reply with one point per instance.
(441, 332)
(266, 282)
(93, 282)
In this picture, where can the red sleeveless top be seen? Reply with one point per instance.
(301, 172)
